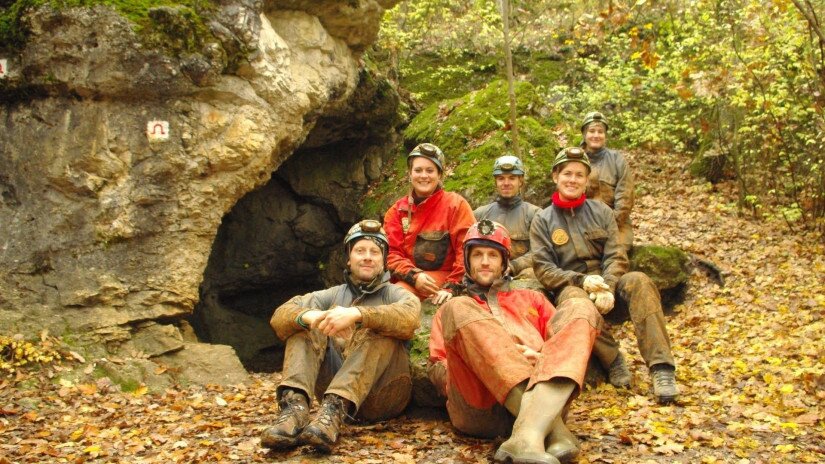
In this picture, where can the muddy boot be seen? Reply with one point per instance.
(293, 417)
(562, 444)
(322, 432)
(539, 409)
(619, 374)
(664, 383)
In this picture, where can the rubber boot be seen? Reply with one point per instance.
(562, 444)
(513, 401)
(292, 419)
(539, 409)
(322, 432)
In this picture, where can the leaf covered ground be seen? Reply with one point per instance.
(750, 354)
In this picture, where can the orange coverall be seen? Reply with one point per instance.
(428, 237)
(475, 362)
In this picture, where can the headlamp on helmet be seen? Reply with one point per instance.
(508, 164)
(490, 234)
(571, 154)
(428, 151)
(371, 230)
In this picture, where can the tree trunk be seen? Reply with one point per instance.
(508, 58)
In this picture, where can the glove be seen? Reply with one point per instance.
(603, 301)
(594, 283)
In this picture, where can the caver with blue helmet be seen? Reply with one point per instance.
(510, 210)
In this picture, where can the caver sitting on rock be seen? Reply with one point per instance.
(500, 354)
(425, 229)
(576, 254)
(346, 345)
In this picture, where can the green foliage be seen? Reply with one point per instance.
(186, 33)
(741, 77)
(744, 79)
(15, 352)
(472, 132)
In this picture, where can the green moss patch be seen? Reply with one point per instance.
(185, 32)
(473, 131)
(429, 79)
(666, 266)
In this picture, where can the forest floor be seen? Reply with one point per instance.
(750, 355)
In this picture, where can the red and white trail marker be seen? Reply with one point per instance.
(157, 130)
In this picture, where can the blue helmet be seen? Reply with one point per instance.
(508, 164)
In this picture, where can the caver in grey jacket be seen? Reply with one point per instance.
(568, 244)
(611, 182)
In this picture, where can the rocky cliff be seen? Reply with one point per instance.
(124, 154)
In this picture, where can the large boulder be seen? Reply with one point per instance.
(122, 152)
(667, 266)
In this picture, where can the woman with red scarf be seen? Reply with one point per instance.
(577, 254)
(426, 230)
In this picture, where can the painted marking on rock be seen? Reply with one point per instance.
(157, 130)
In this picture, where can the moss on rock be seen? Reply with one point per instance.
(472, 130)
(667, 266)
(185, 32)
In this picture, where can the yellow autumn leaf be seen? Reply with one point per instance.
(786, 389)
(87, 389)
(141, 390)
(76, 435)
(92, 449)
(784, 448)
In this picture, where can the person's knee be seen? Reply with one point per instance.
(387, 403)
(636, 281)
(577, 308)
(570, 292)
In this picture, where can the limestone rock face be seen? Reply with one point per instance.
(119, 161)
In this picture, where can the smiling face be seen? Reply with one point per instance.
(571, 180)
(509, 185)
(366, 260)
(595, 136)
(485, 265)
(424, 176)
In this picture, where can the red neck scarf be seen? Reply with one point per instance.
(565, 204)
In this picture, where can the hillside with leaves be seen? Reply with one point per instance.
(735, 86)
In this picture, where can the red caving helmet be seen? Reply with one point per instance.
(491, 234)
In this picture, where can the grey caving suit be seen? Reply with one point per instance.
(611, 182)
(371, 368)
(570, 243)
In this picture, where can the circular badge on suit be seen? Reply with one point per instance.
(560, 237)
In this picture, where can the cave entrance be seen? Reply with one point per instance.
(284, 239)
(273, 244)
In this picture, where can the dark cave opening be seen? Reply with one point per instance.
(284, 238)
